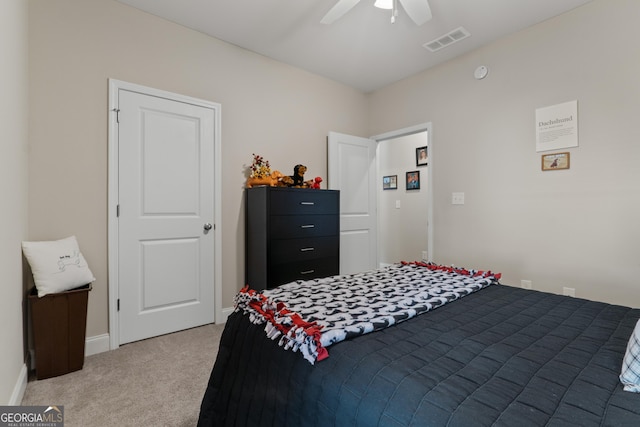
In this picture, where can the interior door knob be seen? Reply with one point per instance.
(208, 227)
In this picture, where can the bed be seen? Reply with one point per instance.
(495, 355)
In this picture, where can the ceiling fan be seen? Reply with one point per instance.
(418, 10)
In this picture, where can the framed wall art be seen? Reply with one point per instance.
(422, 158)
(413, 180)
(390, 182)
(557, 126)
(555, 161)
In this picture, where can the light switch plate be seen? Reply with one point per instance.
(457, 198)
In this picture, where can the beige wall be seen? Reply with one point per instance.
(269, 108)
(13, 189)
(575, 228)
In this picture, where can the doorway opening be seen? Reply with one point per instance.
(405, 206)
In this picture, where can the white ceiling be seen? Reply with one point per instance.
(362, 49)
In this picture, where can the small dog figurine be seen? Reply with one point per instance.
(298, 175)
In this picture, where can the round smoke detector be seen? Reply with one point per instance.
(481, 72)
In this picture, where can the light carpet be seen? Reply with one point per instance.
(155, 382)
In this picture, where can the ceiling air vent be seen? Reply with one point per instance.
(447, 39)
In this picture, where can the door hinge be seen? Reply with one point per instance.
(118, 211)
(117, 111)
(118, 305)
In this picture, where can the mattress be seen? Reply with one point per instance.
(500, 356)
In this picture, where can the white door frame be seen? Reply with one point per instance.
(113, 197)
(428, 127)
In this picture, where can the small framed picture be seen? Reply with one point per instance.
(555, 161)
(390, 182)
(413, 180)
(422, 158)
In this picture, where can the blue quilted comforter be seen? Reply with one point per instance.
(501, 356)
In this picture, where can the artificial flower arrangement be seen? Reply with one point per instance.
(260, 167)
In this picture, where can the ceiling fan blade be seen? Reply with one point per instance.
(340, 8)
(418, 10)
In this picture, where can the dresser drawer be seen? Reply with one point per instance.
(291, 250)
(303, 270)
(304, 202)
(290, 227)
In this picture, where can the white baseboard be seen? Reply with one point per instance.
(97, 344)
(20, 387)
(226, 312)
(100, 343)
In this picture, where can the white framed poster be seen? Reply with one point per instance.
(557, 126)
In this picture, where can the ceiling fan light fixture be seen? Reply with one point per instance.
(418, 10)
(384, 4)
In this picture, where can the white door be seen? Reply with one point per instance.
(352, 170)
(166, 213)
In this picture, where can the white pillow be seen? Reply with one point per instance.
(630, 376)
(57, 265)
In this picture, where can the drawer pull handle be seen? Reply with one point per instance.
(307, 249)
(307, 203)
(307, 272)
(308, 226)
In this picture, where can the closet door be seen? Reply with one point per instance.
(166, 215)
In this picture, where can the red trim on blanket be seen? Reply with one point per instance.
(463, 271)
(311, 329)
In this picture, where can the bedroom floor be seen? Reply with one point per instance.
(159, 382)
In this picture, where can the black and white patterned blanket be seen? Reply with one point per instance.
(308, 316)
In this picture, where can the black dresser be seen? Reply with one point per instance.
(291, 234)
